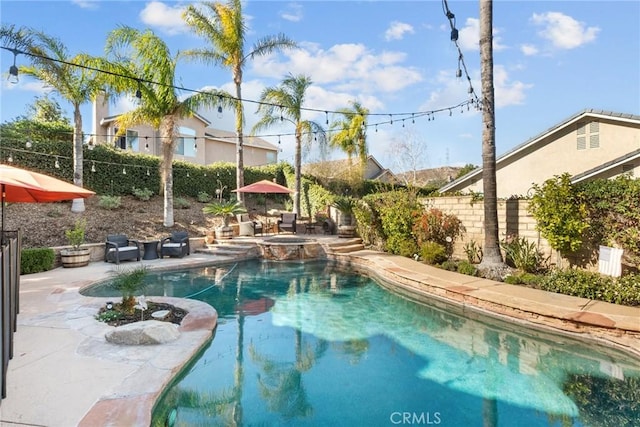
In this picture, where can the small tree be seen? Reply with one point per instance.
(560, 213)
(226, 210)
(129, 282)
(75, 236)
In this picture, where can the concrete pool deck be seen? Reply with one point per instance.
(63, 373)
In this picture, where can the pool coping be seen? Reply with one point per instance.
(59, 344)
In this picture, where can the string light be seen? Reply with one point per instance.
(13, 70)
(57, 163)
(124, 171)
(93, 166)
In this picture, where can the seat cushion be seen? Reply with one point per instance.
(124, 249)
(173, 245)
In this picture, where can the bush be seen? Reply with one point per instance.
(465, 267)
(473, 252)
(433, 253)
(437, 226)
(624, 290)
(109, 202)
(204, 197)
(402, 247)
(521, 254)
(522, 278)
(449, 265)
(143, 194)
(35, 260)
(181, 203)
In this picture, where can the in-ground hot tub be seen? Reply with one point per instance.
(287, 248)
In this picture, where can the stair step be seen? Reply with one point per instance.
(347, 242)
(348, 248)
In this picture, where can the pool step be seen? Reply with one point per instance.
(346, 246)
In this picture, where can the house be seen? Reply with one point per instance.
(588, 145)
(198, 143)
(432, 176)
(343, 169)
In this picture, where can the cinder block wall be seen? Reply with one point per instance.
(513, 219)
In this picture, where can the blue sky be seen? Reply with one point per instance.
(552, 59)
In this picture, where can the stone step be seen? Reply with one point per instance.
(233, 247)
(345, 242)
(343, 249)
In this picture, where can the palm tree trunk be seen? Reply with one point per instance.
(298, 174)
(167, 130)
(78, 204)
(492, 255)
(239, 123)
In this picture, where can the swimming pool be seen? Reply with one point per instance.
(314, 344)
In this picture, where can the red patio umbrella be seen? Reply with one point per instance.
(21, 185)
(264, 187)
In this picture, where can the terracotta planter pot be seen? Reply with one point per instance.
(72, 258)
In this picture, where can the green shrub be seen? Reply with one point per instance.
(623, 290)
(204, 197)
(109, 202)
(181, 203)
(35, 260)
(143, 194)
(449, 265)
(402, 247)
(473, 251)
(465, 267)
(522, 278)
(521, 254)
(433, 253)
(560, 212)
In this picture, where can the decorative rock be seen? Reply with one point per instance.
(144, 333)
(160, 314)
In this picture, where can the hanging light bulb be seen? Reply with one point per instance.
(391, 119)
(56, 164)
(124, 171)
(28, 144)
(146, 143)
(219, 106)
(148, 173)
(187, 174)
(326, 114)
(138, 92)
(93, 166)
(413, 119)
(10, 158)
(13, 70)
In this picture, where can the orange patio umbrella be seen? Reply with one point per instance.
(21, 185)
(264, 187)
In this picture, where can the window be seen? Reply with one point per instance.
(129, 140)
(592, 132)
(271, 157)
(186, 145)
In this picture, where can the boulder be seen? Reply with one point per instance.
(144, 333)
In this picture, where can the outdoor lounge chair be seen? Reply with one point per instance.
(287, 222)
(176, 245)
(119, 247)
(248, 226)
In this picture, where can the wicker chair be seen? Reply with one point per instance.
(119, 247)
(176, 245)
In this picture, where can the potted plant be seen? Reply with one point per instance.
(345, 205)
(225, 210)
(75, 256)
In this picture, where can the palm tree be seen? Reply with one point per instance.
(351, 133)
(284, 102)
(51, 64)
(224, 26)
(492, 255)
(141, 61)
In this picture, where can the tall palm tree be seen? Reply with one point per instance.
(50, 63)
(141, 61)
(492, 255)
(351, 132)
(284, 102)
(224, 26)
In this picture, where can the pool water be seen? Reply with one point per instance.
(312, 344)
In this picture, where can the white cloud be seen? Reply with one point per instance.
(86, 4)
(293, 13)
(348, 67)
(167, 19)
(529, 49)
(469, 36)
(563, 31)
(397, 30)
(508, 92)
